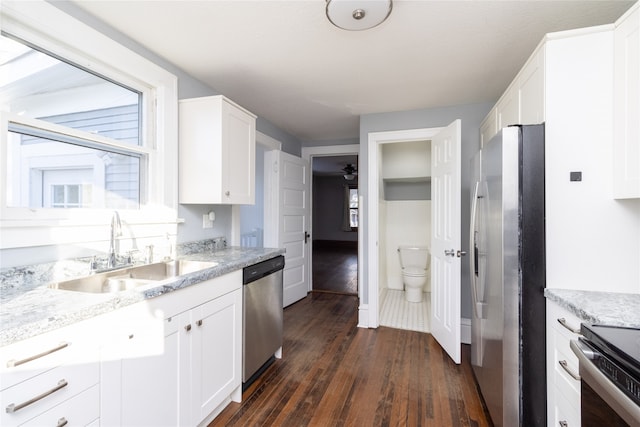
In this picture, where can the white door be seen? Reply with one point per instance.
(287, 219)
(445, 239)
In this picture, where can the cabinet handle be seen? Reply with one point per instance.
(14, 408)
(563, 424)
(564, 365)
(564, 323)
(13, 363)
(227, 193)
(62, 422)
(199, 323)
(188, 327)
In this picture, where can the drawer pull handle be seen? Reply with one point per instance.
(14, 408)
(199, 323)
(564, 323)
(188, 327)
(564, 365)
(62, 422)
(563, 424)
(13, 363)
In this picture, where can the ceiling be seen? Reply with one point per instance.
(285, 62)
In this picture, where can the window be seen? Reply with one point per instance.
(353, 208)
(61, 97)
(86, 126)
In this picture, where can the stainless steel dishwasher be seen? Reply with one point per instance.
(262, 317)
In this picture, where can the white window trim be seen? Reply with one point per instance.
(51, 29)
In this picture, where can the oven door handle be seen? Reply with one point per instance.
(603, 386)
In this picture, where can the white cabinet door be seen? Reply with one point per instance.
(626, 117)
(508, 108)
(489, 127)
(238, 153)
(151, 374)
(530, 85)
(216, 358)
(217, 152)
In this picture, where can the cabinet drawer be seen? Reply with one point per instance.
(563, 321)
(80, 410)
(45, 391)
(564, 412)
(25, 359)
(564, 382)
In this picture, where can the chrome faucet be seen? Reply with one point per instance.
(116, 231)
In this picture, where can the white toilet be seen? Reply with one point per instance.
(415, 262)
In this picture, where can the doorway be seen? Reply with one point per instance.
(334, 251)
(404, 235)
(335, 224)
(445, 234)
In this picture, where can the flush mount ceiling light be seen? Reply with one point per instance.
(356, 15)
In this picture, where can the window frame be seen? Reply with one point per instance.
(50, 29)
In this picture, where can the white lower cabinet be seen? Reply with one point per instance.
(563, 383)
(175, 359)
(216, 355)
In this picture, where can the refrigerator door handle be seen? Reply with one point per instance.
(479, 307)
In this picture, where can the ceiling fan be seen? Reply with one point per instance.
(350, 172)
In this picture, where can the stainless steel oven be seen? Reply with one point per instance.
(609, 359)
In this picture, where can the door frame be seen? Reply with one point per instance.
(369, 313)
(308, 153)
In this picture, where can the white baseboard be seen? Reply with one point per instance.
(465, 331)
(363, 316)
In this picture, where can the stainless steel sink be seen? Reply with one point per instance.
(131, 277)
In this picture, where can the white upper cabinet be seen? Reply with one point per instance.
(523, 101)
(217, 152)
(626, 107)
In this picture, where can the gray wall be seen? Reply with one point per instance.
(471, 116)
(328, 195)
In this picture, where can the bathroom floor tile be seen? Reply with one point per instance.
(397, 312)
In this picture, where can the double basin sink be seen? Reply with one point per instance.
(132, 277)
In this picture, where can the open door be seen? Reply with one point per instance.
(287, 219)
(445, 239)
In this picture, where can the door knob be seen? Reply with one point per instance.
(461, 253)
(306, 236)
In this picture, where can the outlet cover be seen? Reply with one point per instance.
(206, 222)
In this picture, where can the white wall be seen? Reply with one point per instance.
(408, 222)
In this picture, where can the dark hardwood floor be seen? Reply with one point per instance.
(335, 374)
(335, 267)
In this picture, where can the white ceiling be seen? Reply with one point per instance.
(285, 62)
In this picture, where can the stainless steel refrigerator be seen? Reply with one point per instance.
(507, 237)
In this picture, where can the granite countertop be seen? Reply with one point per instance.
(606, 308)
(33, 308)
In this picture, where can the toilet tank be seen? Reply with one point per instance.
(414, 256)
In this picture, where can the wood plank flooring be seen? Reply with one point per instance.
(335, 267)
(335, 374)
